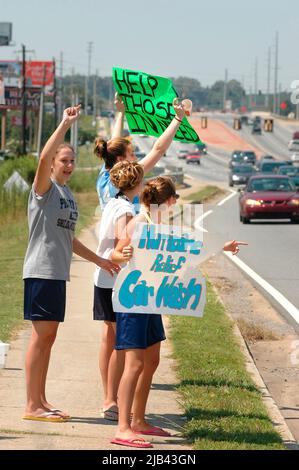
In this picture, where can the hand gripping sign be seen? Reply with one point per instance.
(163, 276)
(148, 102)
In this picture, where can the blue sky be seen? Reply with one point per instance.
(194, 38)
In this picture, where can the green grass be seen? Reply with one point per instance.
(204, 194)
(224, 409)
(13, 244)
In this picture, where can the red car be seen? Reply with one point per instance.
(194, 157)
(269, 197)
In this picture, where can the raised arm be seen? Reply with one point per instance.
(119, 121)
(42, 181)
(163, 142)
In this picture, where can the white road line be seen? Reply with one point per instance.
(223, 160)
(281, 299)
(227, 198)
(197, 222)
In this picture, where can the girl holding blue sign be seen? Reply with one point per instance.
(140, 335)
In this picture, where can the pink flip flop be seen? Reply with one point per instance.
(154, 431)
(134, 442)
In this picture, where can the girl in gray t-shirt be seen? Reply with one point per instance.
(52, 217)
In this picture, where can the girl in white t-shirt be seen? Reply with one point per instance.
(127, 178)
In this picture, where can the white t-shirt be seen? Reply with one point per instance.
(115, 208)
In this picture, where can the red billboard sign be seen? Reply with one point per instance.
(11, 71)
(34, 73)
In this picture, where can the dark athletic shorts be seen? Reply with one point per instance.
(138, 330)
(102, 304)
(44, 299)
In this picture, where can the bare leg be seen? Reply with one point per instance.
(151, 362)
(107, 359)
(133, 366)
(44, 400)
(115, 371)
(37, 359)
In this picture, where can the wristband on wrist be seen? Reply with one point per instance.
(180, 120)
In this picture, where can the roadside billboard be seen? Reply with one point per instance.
(11, 70)
(13, 98)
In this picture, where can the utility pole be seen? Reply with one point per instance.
(41, 115)
(60, 101)
(24, 100)
(267, 101)
(89, 51)
(225, 89)
(250, 98)
(256, 80)
(276, 73)
(55, 95)
(72, 81)
(95, 80)
(278, 99)
(74, 128)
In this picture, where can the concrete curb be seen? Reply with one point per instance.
(276, 417)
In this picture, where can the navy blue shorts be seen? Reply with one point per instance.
(102, 304)
(44, 299)
(138, 330)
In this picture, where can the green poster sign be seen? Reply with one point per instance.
(148, 101)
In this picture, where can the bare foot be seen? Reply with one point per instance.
(57, 411)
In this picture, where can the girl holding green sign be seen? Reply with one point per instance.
(119, 149)
(116, 150)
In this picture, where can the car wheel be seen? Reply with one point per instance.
(231, 184)
(241, 218)
(294, 220)
(245, 220)
(198, 163)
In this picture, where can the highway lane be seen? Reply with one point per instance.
(213, 168)
(271, 143)
(273, 246)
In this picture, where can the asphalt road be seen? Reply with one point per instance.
(273, 245)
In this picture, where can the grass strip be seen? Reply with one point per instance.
(204, 194)
(224, 409)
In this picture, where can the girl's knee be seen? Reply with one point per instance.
(152, 363)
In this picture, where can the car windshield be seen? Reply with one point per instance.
(289, 170)
(270, 184)
(237, 158)
(271, 167)
(243, 169)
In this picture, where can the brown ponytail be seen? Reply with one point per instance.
(110, 150)
(157, 191)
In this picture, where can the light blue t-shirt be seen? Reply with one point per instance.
(107, 191)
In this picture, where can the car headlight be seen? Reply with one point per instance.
(252, 202)
(294, 202)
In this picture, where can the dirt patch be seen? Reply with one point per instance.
(220, 135)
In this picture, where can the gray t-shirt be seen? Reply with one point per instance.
(52, 221)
